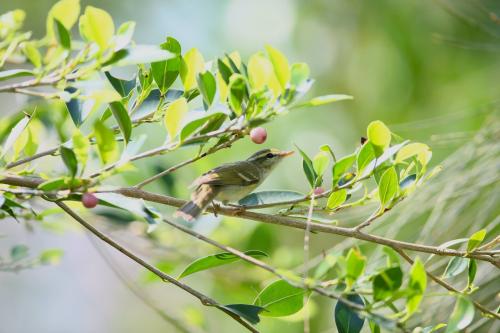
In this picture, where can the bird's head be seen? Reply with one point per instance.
(267, 159)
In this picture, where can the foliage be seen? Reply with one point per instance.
(98, 119)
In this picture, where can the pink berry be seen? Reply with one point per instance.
(89, 200)
(258, 135)
(319, 190)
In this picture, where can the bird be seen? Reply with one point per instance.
(231, 181)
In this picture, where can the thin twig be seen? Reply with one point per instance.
(205, 300)
(182, 164)
(274, 271)
(306, 259)
(135, 290)
(439, 281)
(33, 182)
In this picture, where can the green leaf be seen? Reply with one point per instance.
(224, 70)
(124, 35)
(280, 65)
(69, 159)
(269, 197)
(122, 118)
(472, 270)
(96, 25)
(13, 73)
(455, 266)
(53, 184)
(165, 72)
(246, 311)
(207, 87)
(341, 167)
(280, 299)
(138, 54)
(320, 163)
(63, 36)
(174, 115)
(462, 315)
(106, 143)
(416, 287)
(237, 92)
(346, 319)
(123, 87)
(66, 12)
(15, 132)
(260, 71)
(326, 99)
(375, 162)
(299, 73)
(356, 263)
(475, 240)
(192, 64)
(216, 260)
(392, 256)
(19, 252)
(387, 282)
(413, 149)
(203, 125)
(81, 146)
(308, 167)
(388, 186)
(336, 199)
(31, 52)
(51, 256)
(74, 107)
(379, 136)
(365, 155)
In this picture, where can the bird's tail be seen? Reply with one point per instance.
(203, 195)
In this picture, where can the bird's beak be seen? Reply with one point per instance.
(285, 153)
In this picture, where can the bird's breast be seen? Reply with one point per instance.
(233, 193)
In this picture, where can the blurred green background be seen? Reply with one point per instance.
(428, 69)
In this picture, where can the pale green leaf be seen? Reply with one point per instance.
(388, 186)
(280, 65)
(475, 240)
(96, 25)
(320, 163)
(174, 115)
(192, 64)
(106, 142)
(336, 199)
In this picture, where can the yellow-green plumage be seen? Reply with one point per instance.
(230, 182)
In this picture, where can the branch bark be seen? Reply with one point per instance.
(205, 300)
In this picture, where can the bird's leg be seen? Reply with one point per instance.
(215, 208)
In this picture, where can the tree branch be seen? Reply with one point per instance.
(33, 182)
(205, 300)
(447, 286)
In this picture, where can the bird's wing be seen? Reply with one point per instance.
(240, 173)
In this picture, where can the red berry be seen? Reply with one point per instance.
(258, 135)
(89, 200)
(319, 190)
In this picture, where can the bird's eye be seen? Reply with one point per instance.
(270, 155)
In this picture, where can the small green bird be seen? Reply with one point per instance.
(231, 181)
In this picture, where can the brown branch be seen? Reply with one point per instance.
(278, 220)
(272, 270)
(137, 292)
(447, 286)
(315, 227)
(205, 300)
